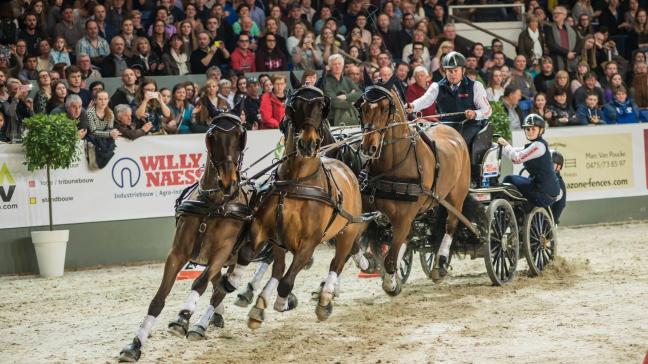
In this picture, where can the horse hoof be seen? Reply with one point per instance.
(257, 314)
(196, 333)
(131, 353)
(439, 271)
(254, 324)
(315, 295)
(244, 299)
(396, 291)
(309, 264)
(224, 286)
(292, 302)
(323, 312)
(180, 325)
(217, 320)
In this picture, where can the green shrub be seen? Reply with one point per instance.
(500, 120)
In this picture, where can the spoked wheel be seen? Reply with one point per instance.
(540, 241)
(502, 243)
(406, 264)
(427, 261)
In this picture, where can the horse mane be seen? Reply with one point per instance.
(400, 111)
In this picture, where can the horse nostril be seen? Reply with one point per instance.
(221, 185)
(372, 150)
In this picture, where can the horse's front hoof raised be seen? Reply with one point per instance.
(196, 333)
(131, 353)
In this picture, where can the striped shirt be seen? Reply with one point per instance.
(85, 47)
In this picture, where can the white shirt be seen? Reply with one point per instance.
(481, 100)
(521, 155)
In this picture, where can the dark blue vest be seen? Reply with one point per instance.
(461, 100)
(541, 172)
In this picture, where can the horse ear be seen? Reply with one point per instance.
(390, 83)
(367, 78)
(294, 82)
(320, 83)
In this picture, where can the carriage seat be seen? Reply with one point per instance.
(480, 145)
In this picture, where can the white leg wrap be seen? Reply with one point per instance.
(258, 275)
(269, 289)
(401, 253)
(220, 309)
(234, 278)
(190, 303)
(444, 249)
(330, 283)
(145, 328)
(204, 319)
(281, 304)
(361, 261)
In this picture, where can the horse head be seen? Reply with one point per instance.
(378, 109)
(225, 141)
(306, 109)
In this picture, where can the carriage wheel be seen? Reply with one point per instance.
(406, 264)
(427, 261)
(540, 241)
(502, 243)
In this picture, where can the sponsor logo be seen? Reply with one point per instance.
(7, 184)
(126, 173)
(171, 170)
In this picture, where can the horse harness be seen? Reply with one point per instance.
(397, 188)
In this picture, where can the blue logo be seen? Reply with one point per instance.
(126, 173)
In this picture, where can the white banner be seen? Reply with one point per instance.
(603, 161)
(142, 180)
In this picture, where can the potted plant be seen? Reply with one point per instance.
(50, 142)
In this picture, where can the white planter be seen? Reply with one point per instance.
(50, 251)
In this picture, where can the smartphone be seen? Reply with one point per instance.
(218, 43)
(152, 95)
(26, 87)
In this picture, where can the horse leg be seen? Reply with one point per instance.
(221, 251)
(345, 243)
(178, 256)
(213, 314)
(391, 282)
(245, 298)
(286, 300)
(256, 316)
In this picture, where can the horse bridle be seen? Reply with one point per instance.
(216, 127)
(382, 93)
(321, 98)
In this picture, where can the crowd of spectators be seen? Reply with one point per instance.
(577, 62)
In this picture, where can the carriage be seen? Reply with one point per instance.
(513, 226)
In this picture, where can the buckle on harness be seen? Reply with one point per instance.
(202, 227)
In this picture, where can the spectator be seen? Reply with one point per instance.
(509, 101)
(175, 12)
(521, 79)
(588, 53)
(560, 84)
(151, 64)
(182, 112)
(246, 25)
(540, 106)
(243, 58)
(74, 110)
(621, 110)
(589, 86)
(127, 31)
(225, 93)
(531, 42)
(44, 56)
(584, 26)
(495, 89)
(99, 15)
(125, 94)
(3, 89)
(343, 93)
(615, 82)
(44, 92)
(136, 17)
(638, 35)
(116, 62)
(272, 104)
(3, 137)
(562, 41)
(307, 10)
(15, 109)
(266, 83)
(361, 22)
(69, 28)
(272, 27)
(38, 8)
(630, 15)
(31, 32)
(56, 103)
(59, 53)
(191, 15)
(208, 55)
(116, 15)
(579, 79)
(190, 89)
(327, 43)
(418, 88)
(95, 87)
(445, 48)
(92, 44)
(306, 55)
(610, 69)
(640, 91)
(461, 44)
(29, 72)
(584, 7)
(241, 89)
(189, 36)
(158, 40)
(151, 106)
(101, 119)
(269, 57)
(73, 77)
(611, 17)
(210, 106)
(88, 73)
(562, 114)
(590, 113)
(417, 48)
(355, 39)
(19, 54)
(546, 77)
(162, 15)
(298, 32)
(309, 77)
(213, 73)
(251, 104)
(176, 61)
(257, 14)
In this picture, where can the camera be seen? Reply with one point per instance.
(218, 43)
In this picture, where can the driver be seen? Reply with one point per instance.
(541, 188)
(457, 93)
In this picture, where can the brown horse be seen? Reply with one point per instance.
(410, 171)
(311, 199)
(208, 225)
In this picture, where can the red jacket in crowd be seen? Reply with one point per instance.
(243, 62)
(414, 91)
(272, 111)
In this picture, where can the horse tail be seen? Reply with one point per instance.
(475, 211)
